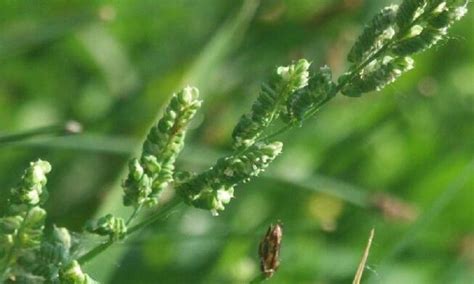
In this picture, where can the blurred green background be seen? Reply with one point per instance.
(400, 160)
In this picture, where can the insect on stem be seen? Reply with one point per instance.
(269, 250)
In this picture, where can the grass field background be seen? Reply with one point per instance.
(400, 160)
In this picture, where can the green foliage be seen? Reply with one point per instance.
(294, 93)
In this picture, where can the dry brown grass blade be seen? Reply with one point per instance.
(361, 267)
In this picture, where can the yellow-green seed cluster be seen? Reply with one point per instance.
(73, 274)
(382, 52)
(30, 190)
(22, 228)
(109, 225)
(154, 170)
(320, 87)
(270, 102)
(214, 188)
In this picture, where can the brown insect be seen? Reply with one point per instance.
(269, 250)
